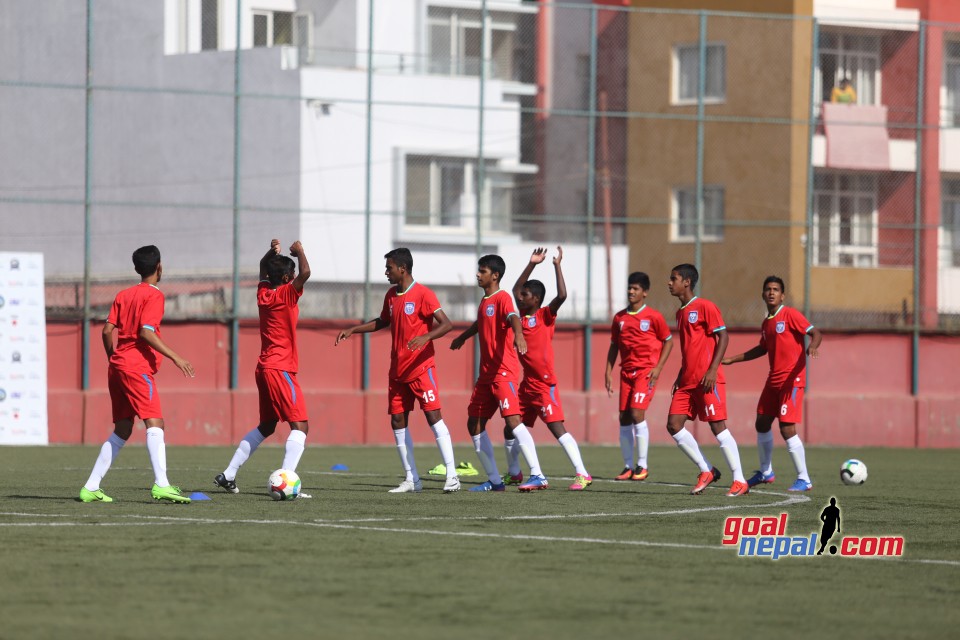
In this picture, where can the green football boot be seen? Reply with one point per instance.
(94, 496)
(170, 493)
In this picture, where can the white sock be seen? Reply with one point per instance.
(484, 448)
(245, 449)
(626, 445)
(528, 448)
(732, 453)
(765, 451)
(688, 444)
(642, 435)
(400, 437)
(158, 456)
(415, 475)
(446, 447)
(512, 447)
(294, 449)
(795, 449)
(108, 453)
(569, 444)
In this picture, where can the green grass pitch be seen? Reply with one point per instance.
(636, 559)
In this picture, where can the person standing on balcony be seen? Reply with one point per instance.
(844, 94)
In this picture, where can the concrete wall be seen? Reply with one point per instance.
(858, 395)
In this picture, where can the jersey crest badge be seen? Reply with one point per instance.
(408, 308)
(644, 325)
(489, 311)
(692, 316)
(781, 326)
(532, 323)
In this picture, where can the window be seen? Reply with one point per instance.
(950, 225)
(441, 193)
(272, 28)
(209, 24)
(852, 56)
(456, 43)
(684, 223)
(951, 82)
(845, 226)
(687, 69)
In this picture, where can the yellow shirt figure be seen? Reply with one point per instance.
(844, 93)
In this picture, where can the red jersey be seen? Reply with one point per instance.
(639, 335)
(135, 308)
(497, 354)
(538, 360)
(782, 336)
(278, 326)
(410, 314)
(697, 322)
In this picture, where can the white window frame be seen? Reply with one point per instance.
(676, 213)
(949, 238)
(459, 20)
(708, 98)
(950, 116)
(492, 179)
(845, 69)
(862, 256)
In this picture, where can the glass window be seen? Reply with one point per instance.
(209, 24)
(261, 33)
(688, 70)
(441, 193)
(851, 56)
(685, 221)
(845, 233)
(950, 225)
(458, 41)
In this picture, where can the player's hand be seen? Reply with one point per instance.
(275, 246)
(296, 249)
(520, 344)
(653, 376)
(608, 383)
(185, 366)
(539, 255)
(814, 353)
(559, 256)
(418, 343)
(709, 381)
(457, 343)
(343, 335)
(726, 361)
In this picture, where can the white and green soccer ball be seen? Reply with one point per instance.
(284, 485)
(853, 472)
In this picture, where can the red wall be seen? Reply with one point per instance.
(858, 394)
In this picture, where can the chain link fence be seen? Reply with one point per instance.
(823, 150)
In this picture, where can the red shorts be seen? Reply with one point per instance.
(280, 396)
(635, 389)
(783, 402)
(133, 394)
(400, 395)
(706, 406)
(539, 400)
(488, 396)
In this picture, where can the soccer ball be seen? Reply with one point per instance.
(284, 485)
(853, 472)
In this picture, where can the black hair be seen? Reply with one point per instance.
(279, 266)
(778, 280)
(146, 260)
(536, 289)
(401, 257)
(640, 278)
(689, 272)
(495, 263)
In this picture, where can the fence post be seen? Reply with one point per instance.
(701, 90)
(812, 130)
(235, 301)
(591, 197)
(917, 212)
(481, 169)
(367, 186)
(87, 174)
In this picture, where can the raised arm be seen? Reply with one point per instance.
(561, 285)
(471, 331)
(539, 255)
(272, 251)
(303, 267)
(367, 327)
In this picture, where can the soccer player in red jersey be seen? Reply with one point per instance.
(135, 315)
(539, 395)
(700, 390)
(782, 338)
(409, 309)
(642, 339)
(501, 338)
(278, 293)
